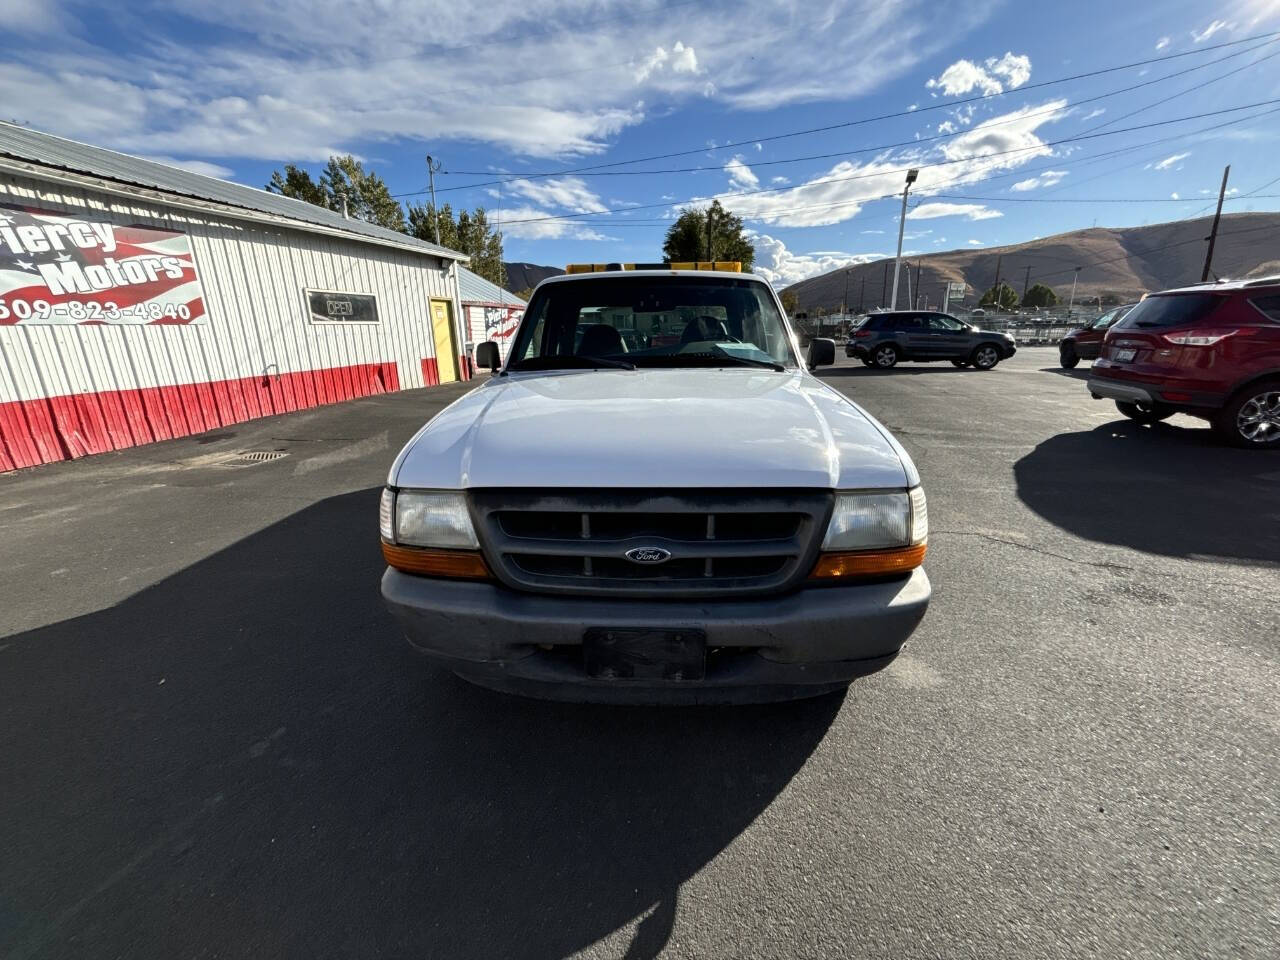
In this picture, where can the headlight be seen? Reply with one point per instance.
(874, 535)
(875, 521)
(432, 520)
(430, 534)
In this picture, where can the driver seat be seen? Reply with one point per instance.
(704, 328)
(601, 340)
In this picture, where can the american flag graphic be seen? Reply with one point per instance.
(60, 269)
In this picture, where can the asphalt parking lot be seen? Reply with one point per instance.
(214, 745)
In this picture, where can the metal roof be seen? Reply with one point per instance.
(473, 288)
(31, 146)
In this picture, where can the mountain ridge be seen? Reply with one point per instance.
(1124, 261)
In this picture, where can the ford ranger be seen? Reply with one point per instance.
(653, 500)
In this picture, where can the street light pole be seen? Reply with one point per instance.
(902, 226)
(1072, 301)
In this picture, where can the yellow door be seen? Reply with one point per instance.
(442, 333)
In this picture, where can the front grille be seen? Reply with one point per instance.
(720, 542)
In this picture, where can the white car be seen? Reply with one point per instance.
(656, 501)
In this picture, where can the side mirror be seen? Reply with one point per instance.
(822, 352)
(487, 356)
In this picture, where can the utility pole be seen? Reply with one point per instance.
(884, 285)
(902, 226)
(1072, 301)
(1026, 283)
(844, 304)
(863, 294)
(996, 289)
(433, 167)
(917, 299)
(1213, 234)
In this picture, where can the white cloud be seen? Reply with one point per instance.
(994, 75)
(973, 211)
(1162, 43)
(914, 106)
(872, 231)
(1002, 143)
(976, 243)
(1095, 112)
(1174, 196)
(779, 181)
(939, 240)
(1168, 162)
(681, 59)
(781, 267)
(202, 167)
(946, 126)
(564, 193)
(1047, 179)
(1209, 31)
(759, 146)
(740, 175)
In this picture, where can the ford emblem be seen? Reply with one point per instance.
(648, 555)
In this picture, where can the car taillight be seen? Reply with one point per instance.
(859, 334)
(1197, 338)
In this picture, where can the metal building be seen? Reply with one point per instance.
(140, 302)
(489, 312)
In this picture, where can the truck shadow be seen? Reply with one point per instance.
(244, 759)
(1167, 489)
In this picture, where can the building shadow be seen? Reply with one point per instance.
(1167, 489)
(246, 760)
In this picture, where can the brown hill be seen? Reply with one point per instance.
(1125, 261)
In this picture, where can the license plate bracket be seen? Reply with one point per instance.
(1124, 356)
(642, 654)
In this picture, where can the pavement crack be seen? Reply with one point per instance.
(1040, 550)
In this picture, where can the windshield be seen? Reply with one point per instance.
(1172, 310)
(652, 322)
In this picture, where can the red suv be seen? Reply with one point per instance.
(1212, 351)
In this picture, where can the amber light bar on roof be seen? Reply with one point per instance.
(726, 266)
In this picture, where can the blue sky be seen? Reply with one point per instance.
(513, 99)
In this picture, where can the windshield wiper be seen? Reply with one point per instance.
(724, 358)
(571, 362)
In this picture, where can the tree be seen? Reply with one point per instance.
(687, 237)
(1008, 300)
(366, 195)
(1040, 296)
(467, 232)
(525, 294)
(789, 302)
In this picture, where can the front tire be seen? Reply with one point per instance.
(885, 357)
(1144, 412)
(985, 357)
(1067, 356)
(1251, 419)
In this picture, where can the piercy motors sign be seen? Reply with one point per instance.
(57, 269)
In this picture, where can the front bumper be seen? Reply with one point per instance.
(812, 638)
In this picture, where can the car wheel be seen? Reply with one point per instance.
(1252, 417)
(960, 363)
(985, 357)
(885, 356)
(1144, 412)
(1067, 356)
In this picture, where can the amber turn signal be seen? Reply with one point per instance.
(867, 563)
(461, 564)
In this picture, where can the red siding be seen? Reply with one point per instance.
(65, 427)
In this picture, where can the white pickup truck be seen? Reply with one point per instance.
(655, 501)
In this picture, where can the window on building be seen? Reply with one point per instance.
(328, 306)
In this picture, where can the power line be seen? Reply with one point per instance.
(941, 163)
(875, 119)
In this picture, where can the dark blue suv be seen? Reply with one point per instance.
(885, 338)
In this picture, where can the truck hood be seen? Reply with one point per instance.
(654, 428)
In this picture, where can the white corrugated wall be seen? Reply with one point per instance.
(85, 388)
